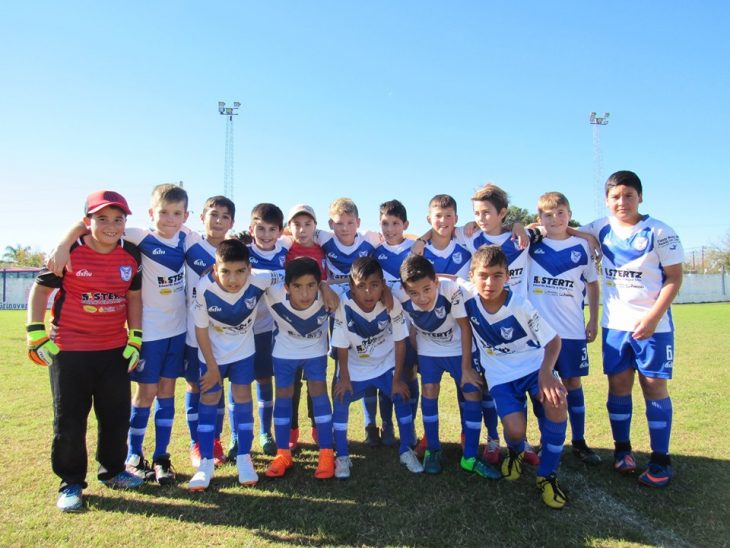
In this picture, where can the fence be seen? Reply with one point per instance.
(704, 288)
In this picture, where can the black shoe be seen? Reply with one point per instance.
(586, 454)
(164, 471)
(372, 436)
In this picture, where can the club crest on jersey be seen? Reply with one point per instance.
(250, 303)
(640, 243)
(281, 260)
(457, 258)
(321, 319)
(440, 312)
(125, 272)
(575, 256)
(362, 254)
(506, 332)
(382, 324)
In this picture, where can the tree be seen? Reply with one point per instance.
(20, 255)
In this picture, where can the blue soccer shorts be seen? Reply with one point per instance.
(238, 372)
(263, 365)
(315, 369)
(160, 358)
(192, 364)
(432, 368)
(511, 397)
(573, 358)
(652, 357)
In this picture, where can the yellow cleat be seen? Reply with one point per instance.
(512, 465)
(552, 494)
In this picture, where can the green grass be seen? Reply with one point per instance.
(382, 504)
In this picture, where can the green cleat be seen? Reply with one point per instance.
(480, 468)
(512, 465)
(432, 461)
(268, 445)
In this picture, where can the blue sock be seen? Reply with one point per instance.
(619, 413)
(231, 416)
(385, 404)
(473, 427)
(577, 413)
(489, 413)
(369, 406)
(516, 446)
(323, 420)
(220, 415)
(405, 423)
(265, 396)
(460, 399)
(430, 414)
(659, 416)
(553, 438)
(137, 428)
(339, 425)
(282, 421)
(206, 429)
(192, 400)
(243, 419)
(164, 415)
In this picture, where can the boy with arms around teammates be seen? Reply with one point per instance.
(642, 274)
(518, 352)
(370, 347)
(444, 344)
(90, 349)
(560, 273)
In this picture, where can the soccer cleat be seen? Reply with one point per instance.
(195, 455)
(624, 463)
(70, 498)
(246, 472)
(342, 467)
(421, 447)
(124, 480)
(372, 436)
(267, 443)
(432, 461)
(293, 439)
(281, 463)
(164, 471)
(201, 479)
(315, 435)
(512, 465)
(656, 475)
(137, 466)
(491, 451)
(531, 456)
(387, 436)
(410, 460)
(480, 468)
(219, 456)
(586, 454)
(233, 451)
(552, 493)
(326, 465)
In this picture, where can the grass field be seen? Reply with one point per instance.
(382, 504)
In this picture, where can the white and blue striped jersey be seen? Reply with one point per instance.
(632, 269)
(437, 332)
(299, 334)
(454, 259)
(511, 342)
(273, 260)
(391, 257)
(558, 271)
(369, 337)
(163, 283)
(340, 257)
(229, 317)
(199, 257)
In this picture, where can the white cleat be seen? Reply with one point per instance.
(342, 467)
(410, 461)
(246, 472)
(201, 480)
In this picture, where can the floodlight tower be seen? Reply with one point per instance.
(229, 113)
(597, 122)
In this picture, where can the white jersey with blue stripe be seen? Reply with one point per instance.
(437, 332)
(511, 341)
(163, 283)
(228, 316)
(558, 271)
(632, 269)
(275, 261)
(391, 257)
(199, 257)
(340, 257)
(369, 337)
(299, 334)
(454, 259)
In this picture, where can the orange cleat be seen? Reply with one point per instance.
(326, 464)
(219, 456)
(281, 463)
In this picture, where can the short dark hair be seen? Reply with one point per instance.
(364, 267)
(232, 250)
(489, 255)
(394, 208)
(624, 178)
(443, 201)
(268, 213)
(220, 201)
(171, 193)
(302, 266)
(415, 268)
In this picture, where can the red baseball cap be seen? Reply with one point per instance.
(103, 198)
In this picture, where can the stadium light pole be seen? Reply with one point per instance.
(229, 113)
(598, 200)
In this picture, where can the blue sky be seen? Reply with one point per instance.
(372, 100)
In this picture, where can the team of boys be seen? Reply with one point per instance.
(500, 310)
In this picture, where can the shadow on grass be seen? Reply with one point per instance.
(382, 504)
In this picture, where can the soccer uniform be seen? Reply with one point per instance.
(89, 316)
(454, 259)
(369, 338)
(391, 257)
(340, 257)
(314, 252)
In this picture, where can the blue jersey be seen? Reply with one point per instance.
(391, 257)
(199, 258)
(340, 257)
(454, 259)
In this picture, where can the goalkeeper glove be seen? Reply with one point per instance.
(41, 348)
(131, 351)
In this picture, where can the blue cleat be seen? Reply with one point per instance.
(656, 475)
(124, 480)
(70, 498)
(432, 462)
